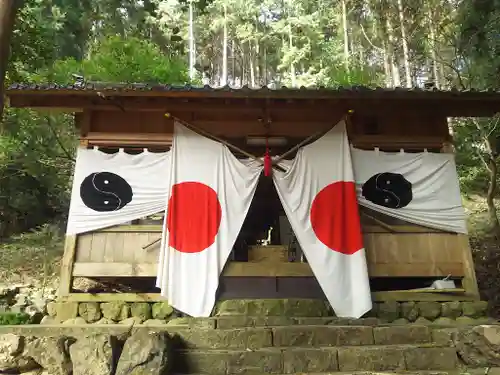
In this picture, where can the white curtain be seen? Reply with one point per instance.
(210, 194)
(318, 194)
(420, 188)
(111, 189)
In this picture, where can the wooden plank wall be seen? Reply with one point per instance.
(118, 252)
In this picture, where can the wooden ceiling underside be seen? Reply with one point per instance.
(451, 107)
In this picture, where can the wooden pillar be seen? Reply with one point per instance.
(8, 9)
(68, 260)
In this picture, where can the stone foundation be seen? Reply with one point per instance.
(441, 313)
(187, 347)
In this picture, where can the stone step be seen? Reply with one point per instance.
(464, 371)
(316, 360)
(274, 321)
(254, 338)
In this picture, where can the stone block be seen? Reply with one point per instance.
(94, 354)
(401, 321)
(231, 307)
(296, 361)
(273, 321)
(431, 358)
(422, 321)
(132, 321)
(223, 339)
(465, 321)
(306, 308)
(444, 321)
(140, 310)
(66, 310)
(475, 309)
(266, 307)
(200, 362)
(451, 309)
(389, 311)
(116, 310)
(371, 359)
(429, 309)
(146, 353)
(192, 322)
(90, 311)
(75, 321)
(444, 336)
(308, 336)
(226, 322)
(11, 359)
(265, 361)
(410, 334)
(409, 311)
(51, 353)
(52, 309)
(154, 322)
(162, 310)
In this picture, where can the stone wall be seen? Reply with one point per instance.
(443, 313)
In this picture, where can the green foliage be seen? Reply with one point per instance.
(115, 59)
(34, 253)
(14, 319)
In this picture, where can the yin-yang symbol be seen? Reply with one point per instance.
(391, 190)
(105, 192)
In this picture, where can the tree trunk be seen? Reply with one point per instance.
(490, 196)
(406, 53)
(396, 79)
(292, 65)
(432, 33)
(224, 50)
(346, 36)
(490, 162)
(8, 9)
(251, 56)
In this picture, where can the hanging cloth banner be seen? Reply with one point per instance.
(318, 195)
(421, 188)
(210, 194)
(112, 189)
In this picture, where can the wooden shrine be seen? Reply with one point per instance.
(403, 258)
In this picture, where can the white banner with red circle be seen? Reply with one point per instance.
(210, 195)
(318, 195)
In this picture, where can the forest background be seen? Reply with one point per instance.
(446, 44)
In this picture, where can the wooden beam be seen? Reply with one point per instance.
(165, 139)
(366, 229)
(273, 269)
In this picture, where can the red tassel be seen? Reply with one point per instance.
(268, 163)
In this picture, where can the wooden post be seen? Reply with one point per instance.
(68, 260)
(8, 10)
(469, 281)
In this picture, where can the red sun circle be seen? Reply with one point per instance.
(194, 216)
(335, 218)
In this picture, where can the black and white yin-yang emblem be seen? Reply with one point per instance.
(391, 190)
(105, 192)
